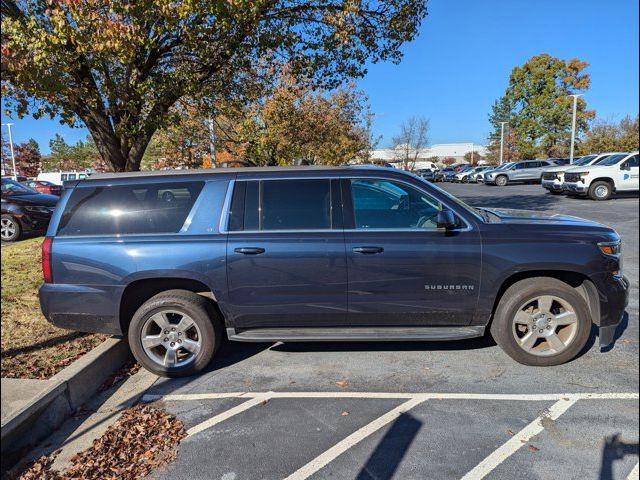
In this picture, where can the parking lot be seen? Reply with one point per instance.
(418, 410)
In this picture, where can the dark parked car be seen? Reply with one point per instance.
(24, 210)
(43, 186)
(175, 261)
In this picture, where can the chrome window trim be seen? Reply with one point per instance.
(224, 217)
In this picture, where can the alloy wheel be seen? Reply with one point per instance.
(545, 325)
(9, 229)
(171, 338)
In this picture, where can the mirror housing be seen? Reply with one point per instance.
(446, 219)
(625, 166)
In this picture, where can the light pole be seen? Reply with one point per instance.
(502, 124)
(573, 124)
(13, 157)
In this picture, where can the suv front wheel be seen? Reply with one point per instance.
(175, 333)
(502, 180)
(600, 190)
(541, 322)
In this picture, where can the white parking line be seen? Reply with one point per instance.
(388, 395)
(635, 473)
(227, 414)
(517, 441)
(339, 448)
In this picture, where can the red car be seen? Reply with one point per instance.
(45, 187)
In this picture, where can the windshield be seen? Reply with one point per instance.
(586, 160)
(613, 159)
(11, 187)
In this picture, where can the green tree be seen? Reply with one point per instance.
(537, 107)
(119, 66)
(82, 155)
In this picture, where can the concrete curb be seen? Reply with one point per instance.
(69, 389)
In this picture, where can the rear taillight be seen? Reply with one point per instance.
(47, 271)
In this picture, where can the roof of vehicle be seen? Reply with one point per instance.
(233, 171)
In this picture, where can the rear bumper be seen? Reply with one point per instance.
(614, 299)
(82, 308)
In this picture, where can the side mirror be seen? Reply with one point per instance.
(446, 219)
(625, 166)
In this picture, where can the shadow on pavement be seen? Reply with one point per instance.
(522, 202)
(614, 449)
(385, 459)
(620, 329)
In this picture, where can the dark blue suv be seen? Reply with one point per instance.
(176, 260)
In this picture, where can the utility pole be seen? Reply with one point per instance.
(212, 141)
(13, 157)
(502, 124)
(573, 124)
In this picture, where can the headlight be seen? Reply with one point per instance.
(610, 248)
(582, 174)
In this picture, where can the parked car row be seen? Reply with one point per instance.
(596, 176)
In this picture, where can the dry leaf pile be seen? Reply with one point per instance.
(145, 437)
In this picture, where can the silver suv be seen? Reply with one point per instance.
(523, 171)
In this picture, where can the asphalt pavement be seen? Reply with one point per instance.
(418, 410)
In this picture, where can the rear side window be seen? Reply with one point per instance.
(129, 209)
(271, 205)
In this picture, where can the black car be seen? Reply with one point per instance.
(24, 211)
(175, 261)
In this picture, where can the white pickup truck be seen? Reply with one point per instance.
(617, 173)
(553, 178)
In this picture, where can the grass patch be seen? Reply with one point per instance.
(31, 346)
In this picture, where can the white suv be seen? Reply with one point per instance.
(617, 173)
(553, 178)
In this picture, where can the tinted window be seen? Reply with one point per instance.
(613, 159)
(127, 209)
(281, 205)
(384, 204)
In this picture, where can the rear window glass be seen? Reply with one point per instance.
(281, 205)
(129, 209)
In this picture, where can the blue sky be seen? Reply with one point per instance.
(460, 64)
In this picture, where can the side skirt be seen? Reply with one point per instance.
(354, 334)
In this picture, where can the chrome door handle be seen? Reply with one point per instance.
(249, 250)
(368, 250)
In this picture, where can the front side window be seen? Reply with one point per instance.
(272, 205)
(386, 204)
(129, 209)
(632, 162)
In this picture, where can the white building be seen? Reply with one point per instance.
(456, 151)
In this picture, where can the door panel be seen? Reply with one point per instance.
(420, 278)
(299, 280)
(628, 178)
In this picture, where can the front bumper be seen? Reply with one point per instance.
(553, 185)
(34, 222)
(614, 298)
(575, 187)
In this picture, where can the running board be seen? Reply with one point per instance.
(363, 334)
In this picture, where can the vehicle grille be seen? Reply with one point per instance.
(549, 176)
(572, 177)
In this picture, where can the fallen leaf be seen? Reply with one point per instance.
(533, 449)
(343, 383)
(345, 413)
(510, 433)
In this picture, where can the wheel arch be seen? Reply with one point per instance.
(579, 281)
(140, 290)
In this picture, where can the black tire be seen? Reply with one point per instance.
(597, 188)
(9, 222)
(502, 180)
(199, 309)
(517, 295)
(465, 179)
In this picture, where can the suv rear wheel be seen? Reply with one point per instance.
(175, 333)
(502, 180)
(541, 322)
(600, 190)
